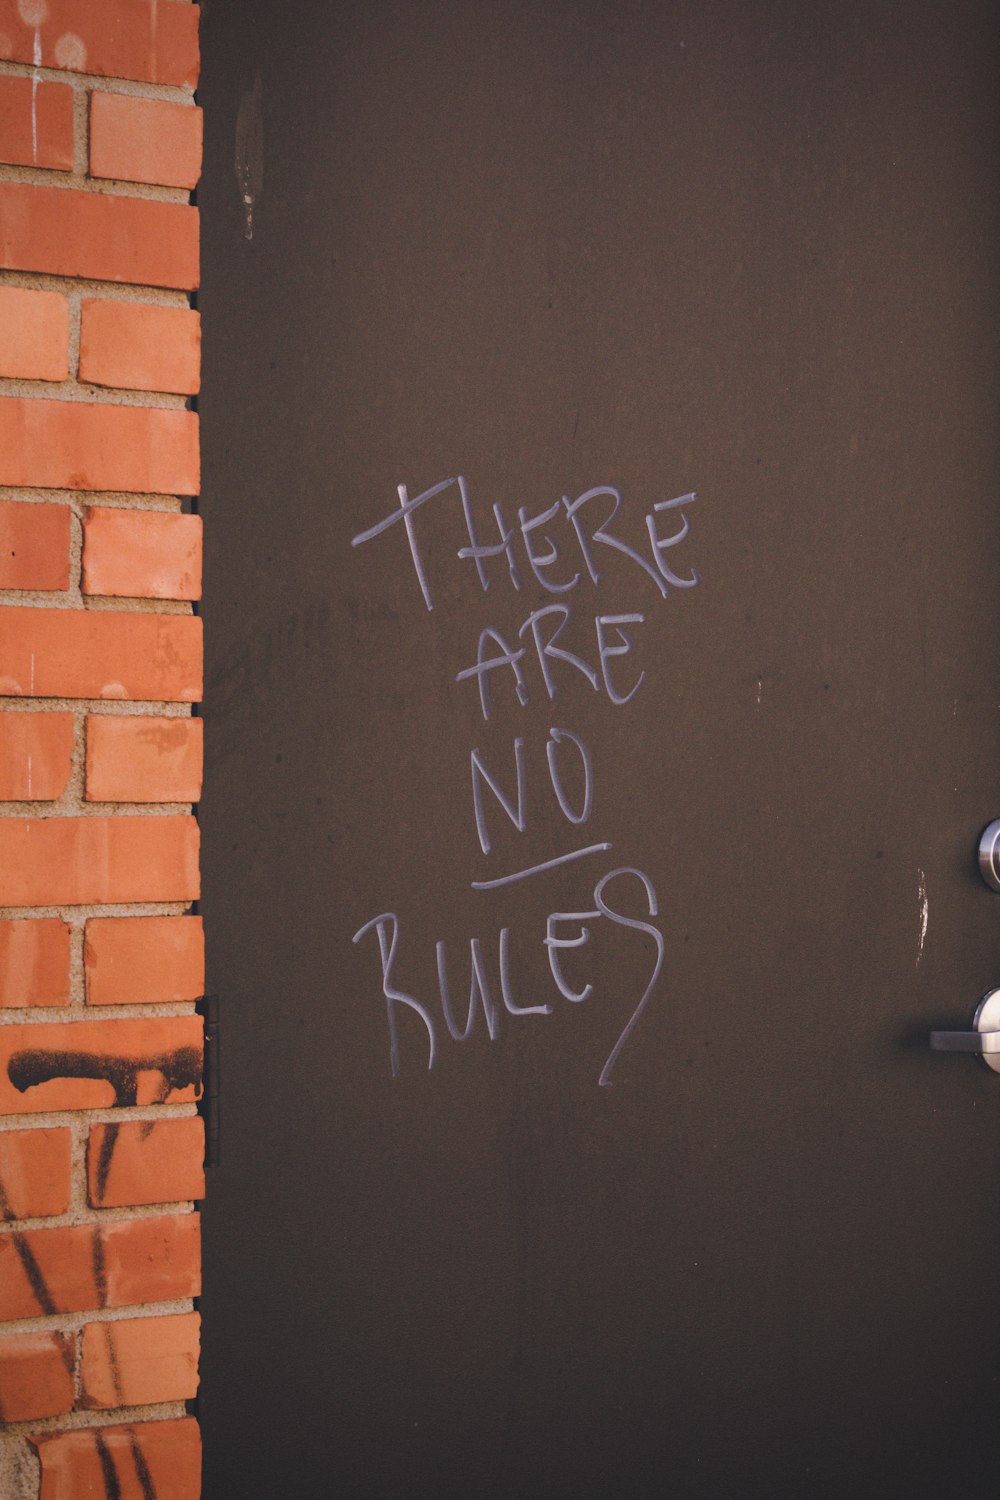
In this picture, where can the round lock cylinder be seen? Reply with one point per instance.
(989, 855)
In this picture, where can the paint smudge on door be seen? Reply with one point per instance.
(250, 151)
(924, 909)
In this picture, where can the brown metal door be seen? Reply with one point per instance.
(736, 1236)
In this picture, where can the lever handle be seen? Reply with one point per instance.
(984, 1040)
(966, 1041)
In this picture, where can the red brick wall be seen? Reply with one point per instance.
(101, 956)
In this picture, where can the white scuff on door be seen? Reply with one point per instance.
(924, 911)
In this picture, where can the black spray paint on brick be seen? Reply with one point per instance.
(179, 1069)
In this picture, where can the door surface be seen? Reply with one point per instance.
(693, 1210)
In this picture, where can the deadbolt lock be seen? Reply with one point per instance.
(989, 855)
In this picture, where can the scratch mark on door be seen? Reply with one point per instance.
(250, 151)
(924, 910)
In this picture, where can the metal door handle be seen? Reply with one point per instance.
(984, 1040)
(966, 1041)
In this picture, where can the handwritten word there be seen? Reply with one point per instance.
(589, 527)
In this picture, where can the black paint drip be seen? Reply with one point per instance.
(112, 1353)
(26, 1256)
(112, 1485)
(36, 1280)
(141, 1468)
(108, 1142)
(33, 1271)
(99, 1268)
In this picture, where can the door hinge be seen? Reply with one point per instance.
(209, 1106)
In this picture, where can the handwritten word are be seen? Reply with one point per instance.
(494, 653)
(584, 525)
(387, 928)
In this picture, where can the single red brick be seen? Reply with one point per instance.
(36, 123)
(146, 1459)
(72, 653)
(144, 140)
(36, 1376)
(69, 232)
(50, 1065)
(74, 445)
(78, 861)
(139, 346)
(138, 960)
(34, 332)
(36, 756)
(141, 758)
(34, 1173)
(34, 546)
(141, 554)
(76, 1267)
(136, 1361)
(146, 1161)
(150, 42)
(34, 962)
